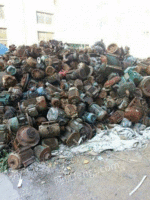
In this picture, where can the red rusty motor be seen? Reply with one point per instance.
(112, 81)
(24, 81)
(41, 103)
(52, 143)
(9, 81)
(55, 102)
(136, 103)
(103, 93)
(116, 117)
(48, 61)
(70, 137)
(110, 102)
(14, 161)
(73, 95)
(65, 67)
(1, 64)
(78, 84)
(23, 156)
(71, 110)
(31, 62)
(145, 86)
(133, 114)
(112, 48)
(49, 130)
(49, 70)
(26, 136)
(42, 153)
(64, 102)
(134, 111)
(39, 120)
(37, 74)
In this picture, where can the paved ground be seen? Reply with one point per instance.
(111, 175)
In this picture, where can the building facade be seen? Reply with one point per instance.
(26, 22)
(77, 22)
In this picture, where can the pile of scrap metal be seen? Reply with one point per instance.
(51, 94)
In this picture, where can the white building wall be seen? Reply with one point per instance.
(31, 25)
(114, 21)
(20, 20)
(81, 21)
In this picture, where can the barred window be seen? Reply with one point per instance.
(45, 36)
(44, 18)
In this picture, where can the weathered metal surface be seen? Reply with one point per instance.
(71, 110)
(27, 136)
(9, 81)
(19, 121)
(145, 86)
(42, 153)
(98, 111)
(49, 70)
(111, 82)
(134, 111)
(49, 130)
(112, 48)
(70, 137)
(27, 156)
(113, 59)
(14, 161)
(68, 93)
(116, 117)
(89, 117)
(73, 95)
(52, 143)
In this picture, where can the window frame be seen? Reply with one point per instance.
(2, 39)
(44, 33)
(45, 15)
(2, 6)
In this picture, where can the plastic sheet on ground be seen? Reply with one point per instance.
(116, 139)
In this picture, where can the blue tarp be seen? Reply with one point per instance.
(3, 49)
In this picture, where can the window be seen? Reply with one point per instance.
(44, 18)
(3, 36)
(1, 12)
(46, 36)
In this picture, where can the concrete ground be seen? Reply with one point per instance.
(110, 175)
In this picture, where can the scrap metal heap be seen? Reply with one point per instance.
(51, 94)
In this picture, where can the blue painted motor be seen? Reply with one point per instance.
(41, 91)
(89, 117)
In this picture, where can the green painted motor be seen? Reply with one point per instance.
(132, 75)
(16, 122)
(4, 97)
(113, 59)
